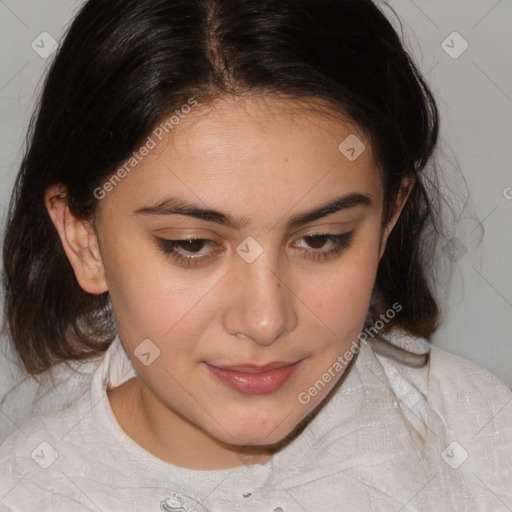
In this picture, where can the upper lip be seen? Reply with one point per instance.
(252, 368)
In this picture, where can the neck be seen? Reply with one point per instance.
(172, 438)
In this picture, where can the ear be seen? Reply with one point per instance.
(403, 195)
(78, 240)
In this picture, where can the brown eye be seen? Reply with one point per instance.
(194, 245)
(317, 241)
(186, 252)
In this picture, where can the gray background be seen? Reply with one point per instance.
(474, 94)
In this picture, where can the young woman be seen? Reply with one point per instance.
(223, 210)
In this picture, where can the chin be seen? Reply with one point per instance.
(251, 432)
(248, 441)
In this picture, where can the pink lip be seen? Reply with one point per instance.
(254, 380)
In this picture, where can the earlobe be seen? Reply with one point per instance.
(78, 240)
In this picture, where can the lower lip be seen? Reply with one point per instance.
(254, 383)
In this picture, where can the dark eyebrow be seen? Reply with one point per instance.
(176, 206)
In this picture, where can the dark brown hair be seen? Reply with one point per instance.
(125, 64)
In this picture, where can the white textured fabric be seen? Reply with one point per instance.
(31, 397)
(365, 451)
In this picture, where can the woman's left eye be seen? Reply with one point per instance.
(338, 244)
(191, 255)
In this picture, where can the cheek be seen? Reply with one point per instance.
(340, 297)
(150, 300)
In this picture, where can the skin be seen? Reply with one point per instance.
(265, 160)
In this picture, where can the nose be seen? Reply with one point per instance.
(262, 306)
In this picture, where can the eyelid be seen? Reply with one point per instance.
(332, 228)
(186, 231)
(341, 242)
(185, 234)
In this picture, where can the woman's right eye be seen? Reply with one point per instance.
(191, 246)
(187, 252)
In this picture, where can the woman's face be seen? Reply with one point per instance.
(289, 230)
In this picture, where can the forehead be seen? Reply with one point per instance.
(244, 123)
(234, 150)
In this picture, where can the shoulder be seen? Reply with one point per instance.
(47, 460)
(470, 411)
(49, 392)
(468, 398)
(19, 449)
(51, 460)
(32, 450)
(450, 373)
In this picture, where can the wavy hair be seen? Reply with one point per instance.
(124, 65)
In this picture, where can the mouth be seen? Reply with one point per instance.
(254, 380)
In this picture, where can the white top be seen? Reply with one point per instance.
(396, 435)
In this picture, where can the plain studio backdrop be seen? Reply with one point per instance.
(464, 49)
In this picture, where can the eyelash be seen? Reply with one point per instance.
(341, 242)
